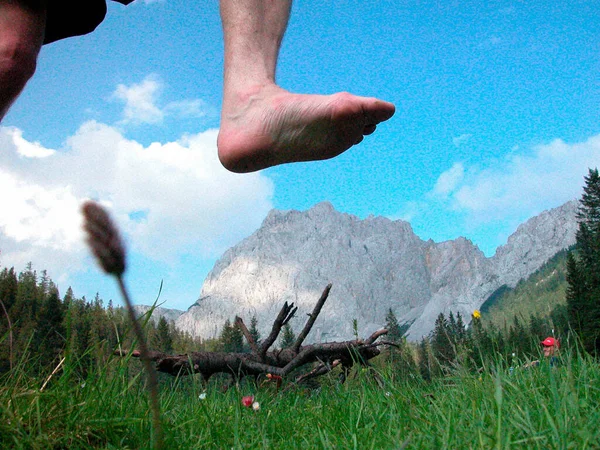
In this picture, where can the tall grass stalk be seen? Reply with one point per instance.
(105, 242)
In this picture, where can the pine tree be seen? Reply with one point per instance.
(68, 298)
(391, 324)
(50, 333)
(80, 339)
(519, 339)
(481, 343)
(164, 340)
(576, 289)
(254, 330)
(539, 328)
(8, 295)
(424, 356)
(44, 286)
(583, 269)
(232, 339)
(24, 310)
(8, 287)
(461, 329)
(27, 300)
(560, 319)
(400, 356)
(442, 344)
(288, 338)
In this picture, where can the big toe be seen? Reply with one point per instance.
(378, 111)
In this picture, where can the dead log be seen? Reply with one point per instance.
(282, 363)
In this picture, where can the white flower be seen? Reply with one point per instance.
(388, 394)
(202, 396)
(256, 406)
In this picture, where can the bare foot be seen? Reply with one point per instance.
(270, 126)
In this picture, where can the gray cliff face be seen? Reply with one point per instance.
(374, 265)
(171, 315)
(536, 241)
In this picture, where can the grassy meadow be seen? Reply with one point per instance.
(540, 408)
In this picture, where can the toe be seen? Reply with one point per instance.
(378, 111)
(369, 129)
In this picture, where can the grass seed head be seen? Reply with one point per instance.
(103, 238)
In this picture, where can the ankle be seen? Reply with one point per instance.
(242, 99)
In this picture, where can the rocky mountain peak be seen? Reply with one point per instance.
(375, 264)
(536, 241)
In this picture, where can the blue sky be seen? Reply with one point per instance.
(498, 107)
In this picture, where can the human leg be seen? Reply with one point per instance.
(22, 24)
(69, 18)
(263, 125)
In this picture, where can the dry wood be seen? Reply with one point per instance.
(284, 316)
(282, 363)
(311, 319)
(240, 323)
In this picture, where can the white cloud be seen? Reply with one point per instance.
(522, 183)
(29, 149)
(143, 106)
(460, 140)
(449, 180)
(409, 211)
(187, 108)
(190, 203)
(140, 101)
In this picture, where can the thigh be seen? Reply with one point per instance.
(22, 24)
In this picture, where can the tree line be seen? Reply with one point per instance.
(583, 268)
(454, 343)
(41, 327)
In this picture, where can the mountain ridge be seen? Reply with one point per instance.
(374, 264)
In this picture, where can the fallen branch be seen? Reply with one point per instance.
(240, 323)
(280, 363)
(284, 316)
(311, 320)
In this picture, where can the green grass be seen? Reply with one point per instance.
(540, 408)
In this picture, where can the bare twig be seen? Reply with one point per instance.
(312, 317)
(321, 369)
(375, 335)
(240, 323)
(287, 312)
